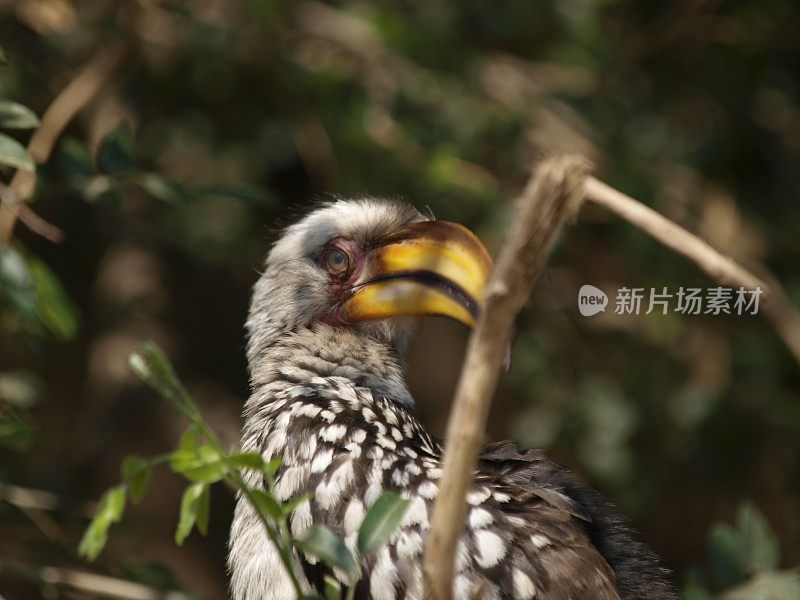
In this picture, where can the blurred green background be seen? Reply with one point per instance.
(217, 121)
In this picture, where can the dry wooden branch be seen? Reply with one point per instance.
(552, 197)
(718, 267)
(72, 99)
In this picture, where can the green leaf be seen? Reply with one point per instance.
(203, 465)
(56, 310)
(14, 154)
(113, 503)
(726, 555)
(150, 363)
(94, 538)
(266, 504)
(14, 115)
(16, 433)
(207, 471)
(109, 511)
(194, 510)
(162, 188)
(333, 589)
(13, 269)
(321, 542)
(136, 473)
(190, 440)
(247, 460)
(761, 549)
(271, 467)
(380, 522)
(751, 547)
(16, 284)
(116, 153)
(288, 507)
(203, 510)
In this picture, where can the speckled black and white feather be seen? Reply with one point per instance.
(332, 403)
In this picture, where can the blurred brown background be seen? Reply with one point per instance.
(216, 121)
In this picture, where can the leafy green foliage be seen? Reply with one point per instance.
(16, 431)
(748, 548)
(35, 295)
(745, 560)
(380, 522)
(333, 589)
(109, 511)
(16, 284)
(33, 302)
(136, 473)
(14, 154)
(160, 187)
(321, 542)
(194, 511)
(203, 464)
(202, 461)
(14, 115)
(54, 307)
(152, 366)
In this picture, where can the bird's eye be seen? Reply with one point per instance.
(336, 261)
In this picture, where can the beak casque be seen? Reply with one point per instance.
(437, 268)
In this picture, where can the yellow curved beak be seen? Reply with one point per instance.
(437, 268)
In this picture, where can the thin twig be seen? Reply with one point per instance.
(90, 583)
(33, 499)
(72, 99)
(778, 309)
(718, 267)
(37, 224)
(10, 202)
(552, 197)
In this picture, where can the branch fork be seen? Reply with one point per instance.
(552, 197)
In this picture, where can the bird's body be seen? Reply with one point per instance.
(330, 400)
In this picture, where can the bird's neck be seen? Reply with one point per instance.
(299, 357)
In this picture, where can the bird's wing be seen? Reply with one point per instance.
(637, 570)
(547, 543)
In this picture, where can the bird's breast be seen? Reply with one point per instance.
(344, 447)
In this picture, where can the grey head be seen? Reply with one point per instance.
(359, 274)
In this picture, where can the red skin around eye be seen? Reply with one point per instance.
(340, 286)
(341, 282)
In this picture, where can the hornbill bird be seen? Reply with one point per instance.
(330, 319)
